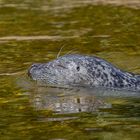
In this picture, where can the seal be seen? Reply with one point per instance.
(82, 70)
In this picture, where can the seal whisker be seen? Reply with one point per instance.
(71, 51)
(60, 51)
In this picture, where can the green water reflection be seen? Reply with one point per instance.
(34, 31)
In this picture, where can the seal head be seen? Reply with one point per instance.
(80, 70)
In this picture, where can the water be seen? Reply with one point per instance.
(34, 31)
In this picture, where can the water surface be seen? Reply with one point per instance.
(34, 31)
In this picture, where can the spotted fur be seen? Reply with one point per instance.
(80, 70)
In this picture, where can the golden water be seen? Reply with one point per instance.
(34, 31)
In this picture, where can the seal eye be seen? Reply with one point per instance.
(78, 68)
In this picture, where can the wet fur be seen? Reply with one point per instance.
(81, 70)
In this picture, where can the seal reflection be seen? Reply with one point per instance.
(65, 101)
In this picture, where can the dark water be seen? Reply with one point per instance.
(34, 31)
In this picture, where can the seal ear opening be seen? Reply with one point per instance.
(78, 68)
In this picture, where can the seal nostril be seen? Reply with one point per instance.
(33, 66)
(33, 69)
